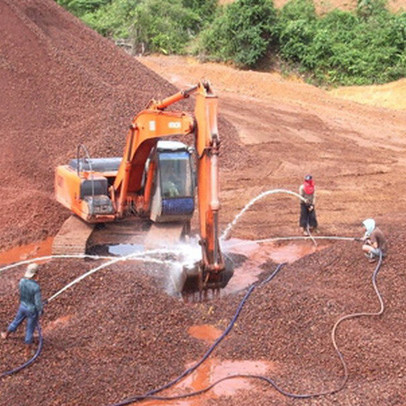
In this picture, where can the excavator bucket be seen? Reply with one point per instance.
(197, 279)
(188, 275)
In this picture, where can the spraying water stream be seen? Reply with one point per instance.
(227, 230)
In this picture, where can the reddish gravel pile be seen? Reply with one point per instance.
(61, 85)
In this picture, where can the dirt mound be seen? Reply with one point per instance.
(62, 85)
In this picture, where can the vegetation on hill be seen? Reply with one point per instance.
(364, 46)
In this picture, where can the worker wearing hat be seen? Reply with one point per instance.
(31, 305)
(374, 240)
(307, 220)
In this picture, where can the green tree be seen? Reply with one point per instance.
(164, 26)
(364, 46)
(205, 9)
(81, 7)
(369, 8)
(151, 25)
(344, 47)
(113, 19)
(242, 32)
(296, 29)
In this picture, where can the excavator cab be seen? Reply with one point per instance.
(173, 197)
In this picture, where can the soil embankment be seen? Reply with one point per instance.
(62, 85)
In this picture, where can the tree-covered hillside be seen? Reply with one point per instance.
(363, 46)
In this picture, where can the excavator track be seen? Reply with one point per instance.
(79, 237)
(72, 237)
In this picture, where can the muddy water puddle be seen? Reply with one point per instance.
(258, 253)
(214, 369)
(247, 271)
(205, 332)
(24, 252)
(276, 251)
(210, 372)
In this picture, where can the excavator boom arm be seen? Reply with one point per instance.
(207, 147)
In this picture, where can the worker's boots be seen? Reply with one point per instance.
(371, 257)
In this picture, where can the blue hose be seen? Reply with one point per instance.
(30, 361)
(188, 371)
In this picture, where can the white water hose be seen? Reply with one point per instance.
(249, 204)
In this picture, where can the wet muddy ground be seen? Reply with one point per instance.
(118, 333)
(282, 332)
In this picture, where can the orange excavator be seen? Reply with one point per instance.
(157, 178)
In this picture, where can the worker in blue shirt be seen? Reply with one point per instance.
(31, 306)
